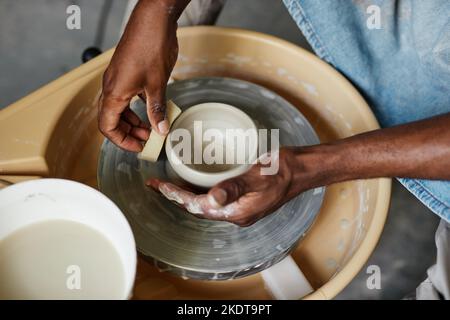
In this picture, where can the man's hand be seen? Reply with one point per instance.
(141, 65)
(247, 198)
(416, 150)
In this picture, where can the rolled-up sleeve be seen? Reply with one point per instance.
(402, 68)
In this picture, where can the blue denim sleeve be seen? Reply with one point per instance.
(401, 66)
(434, 194)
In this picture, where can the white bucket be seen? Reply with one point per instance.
(27, 203)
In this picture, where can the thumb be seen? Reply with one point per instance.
(227, 192)
(156, 111)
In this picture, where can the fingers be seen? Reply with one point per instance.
(156, 111)
(127, 137)
(115, 128)
(139, 129)
(133, 119)
(242, 200)
(227, 191)
(140, 134)
(235, 212)
(193, 203)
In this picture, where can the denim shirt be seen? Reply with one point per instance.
(399, 62)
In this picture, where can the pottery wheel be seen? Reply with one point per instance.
(190, 247)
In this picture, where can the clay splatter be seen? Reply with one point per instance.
(125, 169)
(344, 223)
(267, 94)
(218, 244)
(317, 191)
(341, 245)
(344, 193)
(330, 263)
(281, 71)
(310, 88)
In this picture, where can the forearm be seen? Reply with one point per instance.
(153, 15)
(415, 150)
(141, 65)
(165, 9)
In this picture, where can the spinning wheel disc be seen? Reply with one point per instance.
(197, 248)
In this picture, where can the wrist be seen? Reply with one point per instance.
(316, 166)
(151, 23)
(166, 10)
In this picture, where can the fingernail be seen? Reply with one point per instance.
(217, 198)
(163, 127)
(212, 201)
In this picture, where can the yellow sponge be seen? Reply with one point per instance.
(155, 142)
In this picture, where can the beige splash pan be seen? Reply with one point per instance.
(53, 133)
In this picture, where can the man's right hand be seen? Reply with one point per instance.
(141, 65)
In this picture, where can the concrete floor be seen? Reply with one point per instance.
(36, 47)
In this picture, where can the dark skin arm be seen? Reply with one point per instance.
(416, 150)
